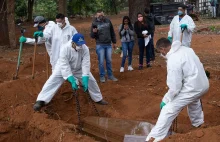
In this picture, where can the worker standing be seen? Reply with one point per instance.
(54, 35)
(187, 82)
(181, 22)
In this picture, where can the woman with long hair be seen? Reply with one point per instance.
(140, 26)
(126, 33)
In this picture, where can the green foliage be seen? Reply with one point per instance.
(158, 1)
(46, 8)
(212, 28)
(87, 7)
(82, 7)
(21, 8)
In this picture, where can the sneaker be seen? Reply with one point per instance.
(148, 66)
(122, 69)
(102, 79)
(140, 67)
(38, 105)
(112, 78)
(102, 102)
(130, 68)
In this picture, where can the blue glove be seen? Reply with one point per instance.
(162, 104)
(22, 39)
(38, 33)
(73, 82)
(85, 83)
(183, 26)
(170, 39)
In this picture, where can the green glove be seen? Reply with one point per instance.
(183, 26)
(22, 39)
(170, 38)
(162, 104)
(85, 83)
(73, 82)
(38, 33)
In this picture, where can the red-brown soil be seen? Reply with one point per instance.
(136, 95)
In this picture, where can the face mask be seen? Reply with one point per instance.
(140, 19)
(100, 18)
(180, 13)
(163, 56)
(40, 28)
(78, 47)
(60, 24)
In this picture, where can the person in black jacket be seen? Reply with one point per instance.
(140, 26)
(103, 32)
(150, 22)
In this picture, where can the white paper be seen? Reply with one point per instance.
(146, 39)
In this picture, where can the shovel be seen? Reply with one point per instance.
(35, 48)
(19, 55)
(181, 38)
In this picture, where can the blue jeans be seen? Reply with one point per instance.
(104, 52)
(127, 47)
(142, 47)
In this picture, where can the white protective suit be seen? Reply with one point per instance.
(70, 62)
(187, 83)
(42, 40)
(175, 29)
(54, 37)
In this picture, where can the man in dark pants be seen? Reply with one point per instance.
(103, 32)
(150, 22)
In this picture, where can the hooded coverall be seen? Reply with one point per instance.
(175, 29)
(54, 37)
(70, 63)
(187, 83)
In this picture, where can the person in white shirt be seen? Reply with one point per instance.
(181, 22)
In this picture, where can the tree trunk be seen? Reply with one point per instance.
(30, 9)
(4, 38)
(62, 7)
(115, 7)
(11, 22)
(136, 6)
(7, 25)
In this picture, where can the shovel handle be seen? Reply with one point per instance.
(19, 59)
(35, 49)
(182, 30)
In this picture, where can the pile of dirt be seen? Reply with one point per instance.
(136, 96)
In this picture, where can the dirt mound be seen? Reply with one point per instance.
(211, 134)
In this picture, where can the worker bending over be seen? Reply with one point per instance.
(73, 65)
(187, 83)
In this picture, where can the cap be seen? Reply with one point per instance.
(38, 20)
(78, 39)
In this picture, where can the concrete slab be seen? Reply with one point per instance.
(115, 130)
